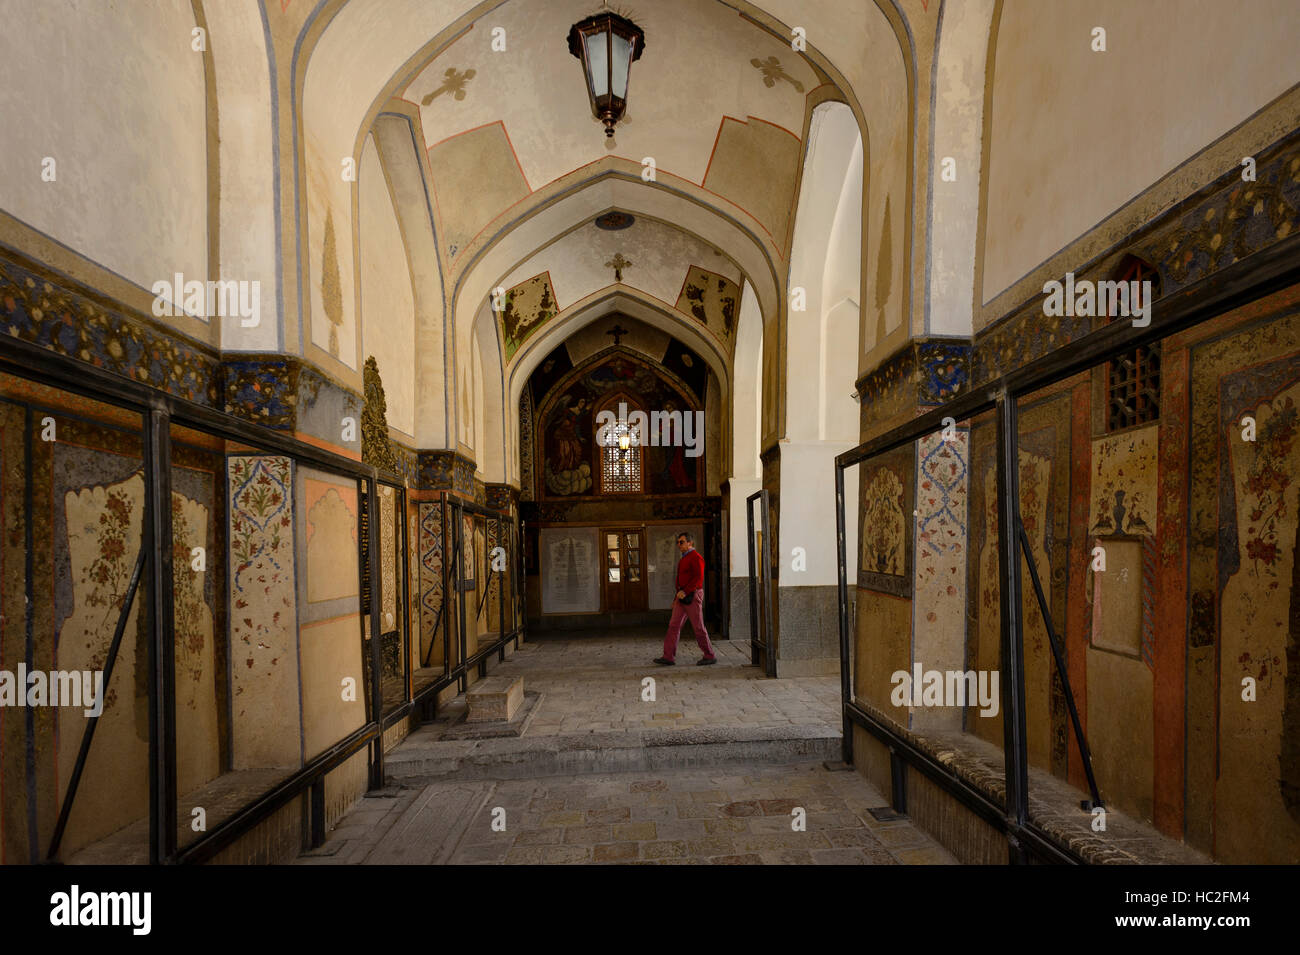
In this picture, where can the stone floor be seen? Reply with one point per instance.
(708, 772)
(731, 815)
(594, 684)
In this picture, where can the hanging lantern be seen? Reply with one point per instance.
(607, 44)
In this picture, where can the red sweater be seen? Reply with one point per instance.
(690, 571)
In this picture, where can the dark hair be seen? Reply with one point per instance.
(687, 535)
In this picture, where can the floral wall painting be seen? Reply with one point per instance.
(198, 750)
(263, 619)
(1258, 626)
(104, 525)
(886, 527)
(888, 503)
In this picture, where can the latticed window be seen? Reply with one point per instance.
(621, 451)
(620, 471)
(1133, 379)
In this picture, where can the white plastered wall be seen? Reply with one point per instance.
(1160, 93)
(114, 94)
(434, 396)
(747, 394)
(958, 135)
(387, 301)
(247, 242)
(821, 414)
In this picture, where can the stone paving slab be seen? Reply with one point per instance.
(594, 684)
(673, 817)
(591, 715)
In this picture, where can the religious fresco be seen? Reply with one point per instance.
(528, 306)
(567, 450)
(712, 300)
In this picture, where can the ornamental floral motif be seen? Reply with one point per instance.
(1266, 485)
(884, 525)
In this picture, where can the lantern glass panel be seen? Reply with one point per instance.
(622, 51)
(598, 63)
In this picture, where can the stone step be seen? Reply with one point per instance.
(495, 699)
(424, 757)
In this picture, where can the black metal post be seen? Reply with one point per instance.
(769, 590)
(1061, 668)
(162, 672)
(841, 556)
(753, 586)
(372, 546)
(458, 514)
(316, 812)
(404, 588)
(501, 591)
(1013, 666)
(88, 735)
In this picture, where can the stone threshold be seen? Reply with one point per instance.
(424, 756)
(1053, 804)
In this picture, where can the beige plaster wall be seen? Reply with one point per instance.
(1176, 75)
(387, 300)
(247, 166)
(115, 95)
(331, 653)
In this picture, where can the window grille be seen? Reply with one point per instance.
(1133, 379)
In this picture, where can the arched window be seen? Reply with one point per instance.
(621, 453)
(1133, 379)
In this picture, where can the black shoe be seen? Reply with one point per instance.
(706, 661)
(664, 663)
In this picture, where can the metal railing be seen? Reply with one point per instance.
(1260, 274)
(160, 412)
(761, 643)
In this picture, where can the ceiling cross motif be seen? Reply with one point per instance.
(618, 331)
(618, 264)
(453, 82)
(772, 71)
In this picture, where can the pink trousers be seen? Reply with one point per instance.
(695, 612)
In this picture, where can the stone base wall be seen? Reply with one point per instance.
(809, 641)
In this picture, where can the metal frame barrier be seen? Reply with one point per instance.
(159, 411)
(1244, 281)
(453, 509)
(763, 649)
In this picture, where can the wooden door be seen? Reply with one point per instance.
(625, 584)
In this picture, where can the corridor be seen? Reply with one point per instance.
(713, 767)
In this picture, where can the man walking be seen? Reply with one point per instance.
(688, 603)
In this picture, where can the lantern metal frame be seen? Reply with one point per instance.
(607, 107)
